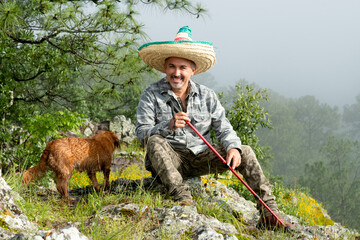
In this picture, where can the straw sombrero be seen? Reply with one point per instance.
(200, 52)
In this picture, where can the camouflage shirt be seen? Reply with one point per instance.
(155, 111)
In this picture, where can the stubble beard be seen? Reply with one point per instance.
(177, 85)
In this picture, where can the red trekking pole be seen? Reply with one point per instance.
(173, 109)
(237, 175)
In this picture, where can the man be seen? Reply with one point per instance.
(174, 151)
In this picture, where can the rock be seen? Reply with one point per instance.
(119, 124)
(88, 128)
(124, 128)
(118, 211)
(17, 225)
(206, 233)
(11, 216)
(66, 233)
(227, 198)
(178, 219)
(6, 234)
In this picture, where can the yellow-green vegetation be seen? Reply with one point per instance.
(301, 205)
(291, 201)
(3, 224)
(133, 172)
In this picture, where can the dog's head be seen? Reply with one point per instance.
(116, 140)
(113, 137)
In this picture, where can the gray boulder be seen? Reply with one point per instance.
(121, 125)
(11, 216)
(124, 128)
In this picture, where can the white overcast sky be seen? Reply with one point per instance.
(294, 47)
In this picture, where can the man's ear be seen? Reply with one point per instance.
(193, 71)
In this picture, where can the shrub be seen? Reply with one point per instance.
(23, 146)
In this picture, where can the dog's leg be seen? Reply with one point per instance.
(92, 176)
(61, 185)
(106, 172)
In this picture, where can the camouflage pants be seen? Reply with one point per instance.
(173, 165)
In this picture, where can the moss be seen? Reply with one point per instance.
(4, 224)
(188, 234)
(6, 212)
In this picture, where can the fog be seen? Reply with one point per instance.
(296, 48)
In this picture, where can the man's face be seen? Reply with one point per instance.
(179, 71)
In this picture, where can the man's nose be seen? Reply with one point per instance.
(177, 72)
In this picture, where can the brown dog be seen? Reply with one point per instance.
(66, 154)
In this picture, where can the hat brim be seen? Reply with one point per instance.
(200, 52)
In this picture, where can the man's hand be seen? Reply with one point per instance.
(233, 156)
(179, 120)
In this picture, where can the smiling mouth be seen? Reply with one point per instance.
(177, 78)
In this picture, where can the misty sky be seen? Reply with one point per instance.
(296, 48)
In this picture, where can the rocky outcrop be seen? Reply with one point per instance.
(15, 225)
(11, 216)
(122, 126)
(175, 221)
(213, 191)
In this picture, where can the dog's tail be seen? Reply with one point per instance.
(37, 171)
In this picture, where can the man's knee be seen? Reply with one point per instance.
(248, 158)
(246, 150)
(155, 141)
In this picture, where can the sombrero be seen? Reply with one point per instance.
(200, 52)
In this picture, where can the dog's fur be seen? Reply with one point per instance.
(66, 154)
